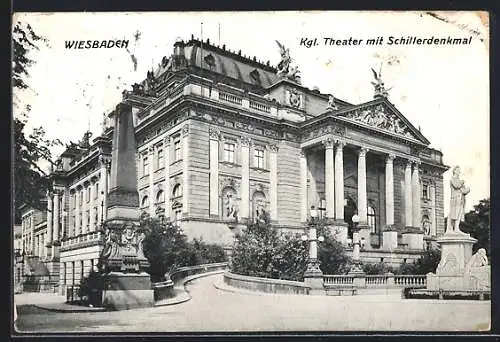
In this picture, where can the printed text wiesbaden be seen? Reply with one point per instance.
(96, 44)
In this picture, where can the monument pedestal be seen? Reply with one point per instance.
(456, 251)
(339, 229)
(389, 240)
(124, 291)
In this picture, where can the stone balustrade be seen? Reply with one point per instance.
(90, 238)
(378, 281)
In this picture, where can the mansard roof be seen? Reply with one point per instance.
(230, 64)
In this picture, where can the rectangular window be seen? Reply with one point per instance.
(145, 165)
(229, 152)
(425, 191)
(89, 190)
(96, 194)
(258, 158)
(161, 160)
(177, 150)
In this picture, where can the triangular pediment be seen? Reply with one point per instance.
(381, 115)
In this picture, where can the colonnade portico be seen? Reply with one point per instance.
(334, 149)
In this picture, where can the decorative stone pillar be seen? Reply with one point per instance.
(56, 215)
(152, 199)
(32, 232)
(214, 135)
(389, 190)
(390, 235)
(362, 197)
(303, 185)
(273, 181)
(408, 195)
(84, 206)
(91, 207)
(329, 178)
(50, 213)
(185, 169)
(415, 189)
(166, 186)
(245, 178)
(77, 211)
(103, 177)
(432, 190)
(339, 181)
(64, 213)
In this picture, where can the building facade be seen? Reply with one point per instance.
(222, 138)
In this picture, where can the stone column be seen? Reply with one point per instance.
(84, 207)
(32, 233)
(214, 171)
(185, 169)
(339, 181)
(245, 178)
(50, 212)
(166, 151)
(64, 213)
(329, 178)
(77, 211)
(303, 185)
(389, 190)
(56, 215)
(432, 190)
(152, 199)
(273, 181)
(415, 189)
(362, 197)
(408, 195)
(93, 222)
(103, 181)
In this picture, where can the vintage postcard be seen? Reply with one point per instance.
(251, 172)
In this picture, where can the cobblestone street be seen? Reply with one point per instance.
(213, 309)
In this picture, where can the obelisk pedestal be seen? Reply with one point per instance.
(125, 283)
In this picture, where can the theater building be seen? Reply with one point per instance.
(222, 138)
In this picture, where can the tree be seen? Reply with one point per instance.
(331, 254)
(30, 182)
(166, 247)
(428, 262)
(477, 224)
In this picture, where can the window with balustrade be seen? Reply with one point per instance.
(145, 165)
(177, 149)
(161, 158)
(229, 148)
(258, 157)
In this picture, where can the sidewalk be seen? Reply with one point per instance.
(50, 302)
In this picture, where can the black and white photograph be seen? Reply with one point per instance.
(250, 172)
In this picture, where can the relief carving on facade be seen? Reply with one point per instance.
(272, 147)
(377, 116)
(324, 130)
(230, 189)
(294, 98)
(214, 133)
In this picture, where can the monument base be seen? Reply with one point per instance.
(123, 291)
(414, 240)
(389, 240)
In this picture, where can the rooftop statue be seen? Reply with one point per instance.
(457, 201)
(331, 103)
(85, 142)
(379, 86)
(284, 66)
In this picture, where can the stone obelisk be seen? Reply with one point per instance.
(126, 284)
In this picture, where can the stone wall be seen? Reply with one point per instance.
(265, 284)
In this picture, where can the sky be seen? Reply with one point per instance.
(443, 90)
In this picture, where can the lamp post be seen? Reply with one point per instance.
(313, 275)
(356, 266)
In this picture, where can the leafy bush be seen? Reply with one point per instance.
(427, 262)
(263, 251)
(331, 254)
(377, 268)
(166, 247)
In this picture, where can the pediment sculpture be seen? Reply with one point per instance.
(377, 116)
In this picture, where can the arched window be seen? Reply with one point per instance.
(160, 197)
(145, 202)
(177, 191)
(259, 207)
(229, 206)
(371, 218)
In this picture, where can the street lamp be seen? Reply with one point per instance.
(356, 267)
(313, 275)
